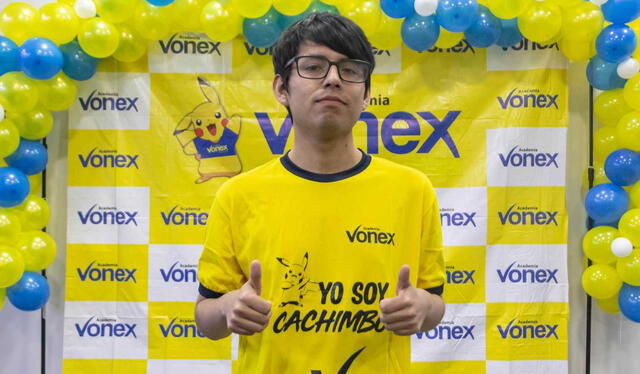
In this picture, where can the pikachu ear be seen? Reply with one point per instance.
(208, 91)
(305, 260)
(283, 261)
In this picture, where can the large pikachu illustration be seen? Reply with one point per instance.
(210, 135)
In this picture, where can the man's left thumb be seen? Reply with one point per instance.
(403, 279)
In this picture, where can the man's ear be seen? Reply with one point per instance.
(280, 91)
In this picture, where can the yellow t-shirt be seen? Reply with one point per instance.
(330, 247)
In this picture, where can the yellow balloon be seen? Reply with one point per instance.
(291, 8)
(35, 183)
(448, 39)
(387, 35)
(58, 23)
(366, 14)
(601, 281)
(605, 141)
(10, 226)
(221, 22)
(632, 92)
(629, 226)
(634, 194)
(252, 9)
(332, 2)
(628, 131)
(3, 294)
(19, 21)
(187, 14)
(35, 124)
(115, 11)
(609, 305)
(132, 46)
(596, 244)
(577, 50)
(582, 22)
(11, 265)
(18, 92)
(540, 22)
(38, 249)
(629, 268)
(98, 38)
(610, 106)
(58, 93)
(508, 8)
(33, 212)
(565, 4)
(9, 137)
(152, 22)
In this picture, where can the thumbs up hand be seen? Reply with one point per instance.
(247, 313)
(406, 313)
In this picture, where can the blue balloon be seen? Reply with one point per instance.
(30, 157)
(485, 31)
(160, 2)
(457, 15)
(622, 167)
(264, 31)
(30, 293)
(616, 43)
(14, 187)
(629, 301)
(9, 55)
(613, 224)
(316, 6)
(603, 75)
(606, 202)
(621, 11)
(77, 64)
(419, 32)
(398, 8)
(40, 58)
(510, 34)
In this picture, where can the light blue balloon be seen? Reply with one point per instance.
(398, 8)
(622, 167)
(616, 43)
(621, 11)
(14, 187)
(30, 157)
(510, 34)
(457, 15)
(629, 301)
(160, 2)
(603, 75)
(264, 31)
(30, 293)
(9, 55)
(485, 31)
(77, 64)
(606, 202)
(420, 33)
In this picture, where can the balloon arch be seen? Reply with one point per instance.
(45, 51)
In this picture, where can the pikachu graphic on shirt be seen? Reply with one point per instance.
(210, 135)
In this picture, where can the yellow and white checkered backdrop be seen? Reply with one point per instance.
(487, 126)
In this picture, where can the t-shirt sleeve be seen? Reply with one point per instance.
(431, 276)
(218, 268)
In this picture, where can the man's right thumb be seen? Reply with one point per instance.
(255, 276)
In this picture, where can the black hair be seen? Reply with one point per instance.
(333, 31)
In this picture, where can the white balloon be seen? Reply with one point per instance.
(599, 2)
(85, 8)
(426, 7)
(628, 68)
(621, 247)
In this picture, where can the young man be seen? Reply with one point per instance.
(327, 259)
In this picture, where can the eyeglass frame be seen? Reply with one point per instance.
(331, 63)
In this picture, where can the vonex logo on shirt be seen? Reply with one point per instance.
(448, 330)
(526, 273)
(449, 217)
(462, 47)
(459, 276)
(527, 329)
(107, 216)
(184, 216)
(180, 273)
(528, 157)
(370, 235)
(527, 98)
(108, 101)
(105, 327)
(180, 328)
(519, 215)
(108, 158)
(189, 43)
(106, 273)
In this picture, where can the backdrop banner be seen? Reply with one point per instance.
(151, 142)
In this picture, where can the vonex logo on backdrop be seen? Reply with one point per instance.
(370, 235)
(180, 328)
(459, 276)
(98, 272)
(451, 217)
(108, 158)
(180, 273)
(189, 43)
(527, 329)
(184, 216)
(462, 47)
(105, 327)
(528, 157)
(100, 101)
(410, 126)
(527, 273)
(100, 215)
(528, 98)
(527, 45)
(448, 330)
(521, 215)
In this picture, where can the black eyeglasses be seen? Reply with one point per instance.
(317, 67)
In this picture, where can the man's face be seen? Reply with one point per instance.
(322, 108)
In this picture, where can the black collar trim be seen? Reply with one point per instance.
(334, 177)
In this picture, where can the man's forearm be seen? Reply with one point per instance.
(210, 317)
(436, 312)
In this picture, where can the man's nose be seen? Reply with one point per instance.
(333, 77)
